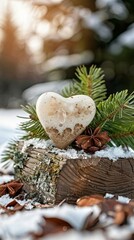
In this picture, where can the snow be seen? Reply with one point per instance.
(74, 235)
(9, 130)
(112, 153)
(109, 195)
(116, 233)
(9, 123)
(6, 178)
(76, 216)
(119, 199)
(5, 199)
(20, 224)
(123, 199)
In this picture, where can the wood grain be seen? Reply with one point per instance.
(57, 179)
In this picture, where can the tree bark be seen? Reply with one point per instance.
(52, 178)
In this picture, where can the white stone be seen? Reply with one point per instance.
(64, 118)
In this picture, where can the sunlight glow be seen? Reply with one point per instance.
(35, 44)
(43, 28)
(22, 15)
(25, 18)
(34, 28)
(47, 1)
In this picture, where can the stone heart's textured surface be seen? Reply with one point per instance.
(64, 118)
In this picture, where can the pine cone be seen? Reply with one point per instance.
(92, 141)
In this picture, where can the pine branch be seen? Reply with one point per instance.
(32, 125)
(10, 150)
(115, 115)
(124, 138)
(91, 84)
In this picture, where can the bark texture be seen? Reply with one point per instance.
(52, 178)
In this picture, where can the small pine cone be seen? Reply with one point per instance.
(92, 141)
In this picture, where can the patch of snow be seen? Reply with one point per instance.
(123, 199)
(69, 152)
(2, 146)
(6, 178)
(5, 199)
(74, 235)
(37, 143)
(108, 195)
(23, 223)
(131, 222)
(9, 123)
(7, 166)
(20, 224)
(28, 203)
(114, 153)
(76, 216)
(118, 233)
(9, 119)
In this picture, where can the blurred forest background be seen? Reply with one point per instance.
(45, 40)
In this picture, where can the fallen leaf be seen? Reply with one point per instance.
(52, 225)
(16, 206)
(89, 200)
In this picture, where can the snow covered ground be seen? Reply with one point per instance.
(9, 125)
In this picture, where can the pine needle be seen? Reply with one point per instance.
(10, 150)
(115, 115)
(91, 84)
(32, 125)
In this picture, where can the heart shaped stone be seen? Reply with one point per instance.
(64, 118)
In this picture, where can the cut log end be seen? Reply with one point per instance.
(52, 178)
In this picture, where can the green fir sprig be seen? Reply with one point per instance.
(32, 125)
(114, 114)
(9, 152)
(90, 83)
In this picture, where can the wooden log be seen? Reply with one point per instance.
(52, 178)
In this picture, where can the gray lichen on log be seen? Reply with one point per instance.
(39, 173)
